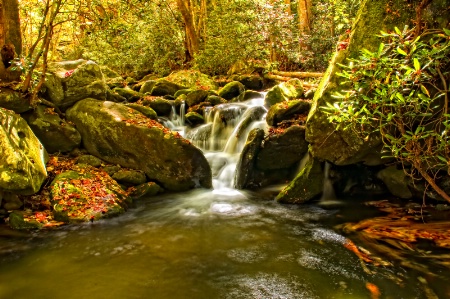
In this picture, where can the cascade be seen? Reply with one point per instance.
(328, 195)
(224, 134)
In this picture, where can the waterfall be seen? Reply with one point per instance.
(328, 195)
(224, 134)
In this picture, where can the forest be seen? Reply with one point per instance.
(235, 148)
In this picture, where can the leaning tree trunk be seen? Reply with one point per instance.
(10, 38)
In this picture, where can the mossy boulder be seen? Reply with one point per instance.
(86, 196)
(231, 90)
(128, 93)
(182, 91)
(19, 222)
(247, 159)
(192, 79)
(307, 185)
(89, 160)
(194, 118)
(120, 135)
(286, 110)
(196, 97)
(71, 81)
(161, 106)
(148, 189)
(285, 91)
(164, 87)
(283, 149)
(215, 100)
(129, 177)
(55, 133)
(343, 147)
(147, 111)
(22, 160)
(147, 86)
(253, 82)
(13, 100)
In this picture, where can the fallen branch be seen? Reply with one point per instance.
(299, 75)
(281, 78)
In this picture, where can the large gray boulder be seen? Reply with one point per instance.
(71, 81)
(120, 135)
(56, 134)
(14, 100)
(22, 160)
(343, 147)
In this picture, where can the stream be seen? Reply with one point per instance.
(220, 243)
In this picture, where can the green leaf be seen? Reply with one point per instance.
(397, 31)
(447, 31)
(400, 51)
(442, 159)
(416, 64)
(380, 49)
(424, 90)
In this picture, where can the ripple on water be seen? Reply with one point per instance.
(250, 255)
(265, 285)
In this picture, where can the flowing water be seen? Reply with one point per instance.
(219, 243)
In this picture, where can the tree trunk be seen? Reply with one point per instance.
(304, 16)
(10, 38)
(192, 37)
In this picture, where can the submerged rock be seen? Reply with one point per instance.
(22, 160)
(86, 196)
(123, 136)
(307, 184)
(55, 133)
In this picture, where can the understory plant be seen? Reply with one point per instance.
(401, 93)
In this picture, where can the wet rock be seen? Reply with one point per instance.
(194, 118)
(283, 150)
(111, 169)
(286, 110)
(285, 91)
(147, 111)
(164, 87)
(10, 201)
(128, 93)
(13, 100)
(192, 79)
(164, 156)
(89, 160)
(231, 90)
(82, 197)
(182, 91)
(307, 185)
(146, 190)
(250, 94)
(22, 161)
(247, 159)
(215, 100)
(396, 181)
(130, 177)
(55, 133)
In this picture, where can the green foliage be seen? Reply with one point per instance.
(401, 92)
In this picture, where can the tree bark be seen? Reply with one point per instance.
(298, 74)
(304, 16)
(10, 38)
(192, 37)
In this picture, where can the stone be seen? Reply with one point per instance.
(111, 169)
(161, 106)
(71, 81)
(253, 82)
(148, 189)
(129, 94)
(193, 118)
(147, 111)
(344, 147)
(286, 110)
(192, 79)
(11, 201)
(396, 180)
(55, 133)
(89, 160)
(231, 90)
(196, 97)
(17, 221)
(22, 162)
(247, 158)
(164, 156)
(285, 91)
(130, 177)
(13, 100)
(307, 185)
(88, 195)
(164, 87)
(215, 100)
(147, 86)
(283, 150)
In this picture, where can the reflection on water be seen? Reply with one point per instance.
(201, 244)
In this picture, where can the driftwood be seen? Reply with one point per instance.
(299, 75)
(281, 78)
